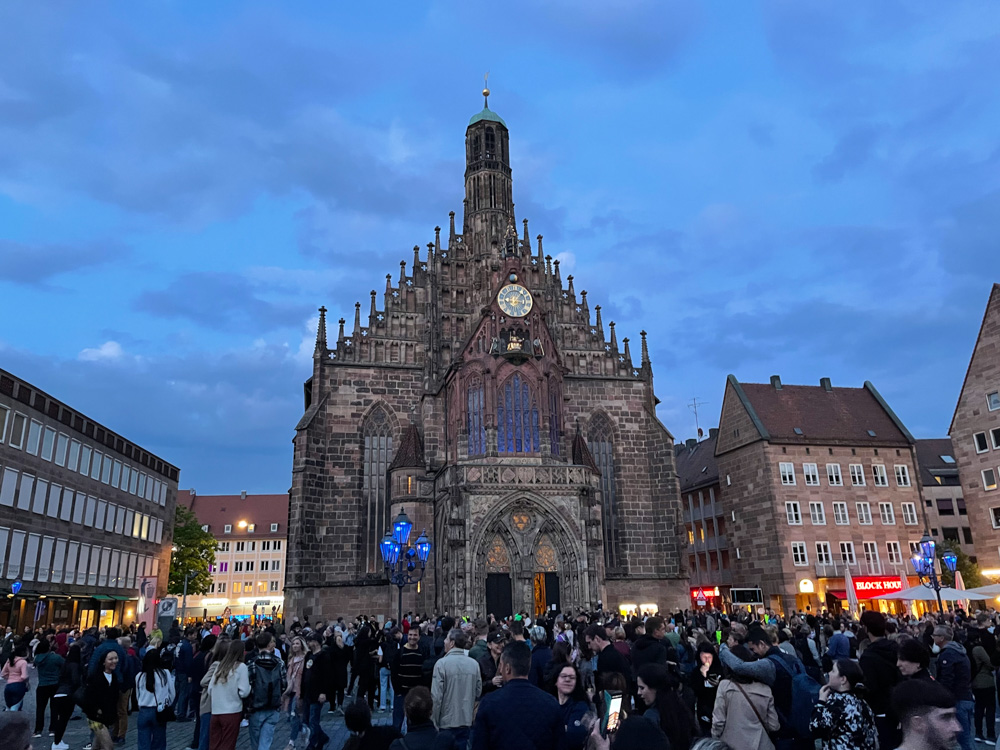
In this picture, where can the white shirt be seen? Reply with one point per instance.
(163, 690)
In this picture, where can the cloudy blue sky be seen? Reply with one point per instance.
(794, 187)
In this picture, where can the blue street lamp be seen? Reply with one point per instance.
(402, 560)
(924, 567)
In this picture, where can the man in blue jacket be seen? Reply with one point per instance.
(183, 664)
(538, 724)
(954, 673)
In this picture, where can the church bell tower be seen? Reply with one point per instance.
(489, 201)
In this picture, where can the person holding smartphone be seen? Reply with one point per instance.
(704, 682)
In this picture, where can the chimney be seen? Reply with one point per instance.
(678, 449)
(776, 382)
(825, 383)
(691, 443)
(243, 495)
(713, 432)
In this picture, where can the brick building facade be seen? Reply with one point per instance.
(975, 437)
(484, 396)
(816, 480)
(941, 489)
(85, 514)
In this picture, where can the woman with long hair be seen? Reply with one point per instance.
(70, 680)
(843, 720)
(15, 674)
(101, 701)
(292, 697)
(575, 705)
(744, 714)
(212, 658)
(658, 689)
(229, 685)
(704, 682)
(154, 691)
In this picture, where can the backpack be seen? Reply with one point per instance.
(268, 683)
(167, 653)
(804, 695)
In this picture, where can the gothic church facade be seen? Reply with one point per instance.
(482, 395)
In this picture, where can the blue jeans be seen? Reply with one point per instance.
(206, 723)
(397, 711)
(385, 685)
(295, 707)
(461, 737)
(317, 737)
(152, 734)
(262, 724)
(183, 687)
(13, 695)
(965, 711)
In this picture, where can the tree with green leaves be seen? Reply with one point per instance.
(194, 554)
(970, 573)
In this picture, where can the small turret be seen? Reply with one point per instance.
(569, 288)
(614, 337)
(628, 354)
(645, 349)
(321, 349)
(598, 324)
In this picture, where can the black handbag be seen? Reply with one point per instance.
(166, 714)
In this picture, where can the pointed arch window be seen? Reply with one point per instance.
(603, 450)
(517, 417)
(491, 144)
(474, 417)
(476, 148)
(377, 454)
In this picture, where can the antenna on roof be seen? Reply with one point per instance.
(693, 406)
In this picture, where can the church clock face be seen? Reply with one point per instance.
(515, 300)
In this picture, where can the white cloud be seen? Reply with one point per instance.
(109, 351)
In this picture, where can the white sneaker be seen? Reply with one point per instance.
(244, 723)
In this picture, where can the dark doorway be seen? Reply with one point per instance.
(552, 591)
(499, 598)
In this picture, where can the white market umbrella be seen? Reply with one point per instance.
(960, 586)
(926, 594)
(991, 590)
(852, 595)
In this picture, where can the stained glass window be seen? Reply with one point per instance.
(474, 418)
(602, 448)
(497, 558)
(517, 418)
(545, 555)
(377, 455)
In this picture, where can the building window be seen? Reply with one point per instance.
(864, 513)
(787, 471)
(251, 528)
(817, 514)
(249, 566)
(993, 400)
(980, 438)
(833, 475)
(902, 475)
(277, 545)
(989, 479)
(274, 585)
(34, 437)
(823, 554)
(909, 514)
(238, 566)
(799, 556)
(224, 567)
(274, 527)
(840, 514)
(237, 587)
(223, 547)
(895, 555)
(4, 414)
(602, 449)
(967, 534)
(475, 425)
(48, 443)
(888, 515)
(945, 507)
(871, 553)
(228, 529)
(265, 546)
(879, 476)
(377, 457)
(995, 437)
(847, 553)
(793, 514)
(263, 565)
(857, 475)
(222, 588)
(517, 417)
(811, 474)
(204, 527)
(275, 565)
(241, 546)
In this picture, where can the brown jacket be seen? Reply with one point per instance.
(734, 721)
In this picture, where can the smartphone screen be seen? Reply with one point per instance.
(612, 713)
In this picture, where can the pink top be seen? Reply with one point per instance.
(17, 673)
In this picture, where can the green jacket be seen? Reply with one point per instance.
(49, 666)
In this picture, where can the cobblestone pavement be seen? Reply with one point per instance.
(180, 734)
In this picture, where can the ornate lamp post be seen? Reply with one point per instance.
(401, 559)
(925, 568)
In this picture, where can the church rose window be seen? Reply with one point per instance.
(602, 449)
(474, 419)
(377, 456)
(517, 418)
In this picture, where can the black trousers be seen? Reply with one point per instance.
(62, 709)
(43, 695)
(986, 699)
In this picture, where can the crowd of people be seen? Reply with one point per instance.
(688, 680)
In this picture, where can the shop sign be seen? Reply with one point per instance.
(873, 587)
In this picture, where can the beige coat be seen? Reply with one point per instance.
(455, 687)
(734, 721)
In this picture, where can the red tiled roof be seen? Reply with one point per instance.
(218, 510)
(838, 415)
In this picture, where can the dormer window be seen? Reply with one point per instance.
(228, 528)
(251, 528)
(274, 527)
